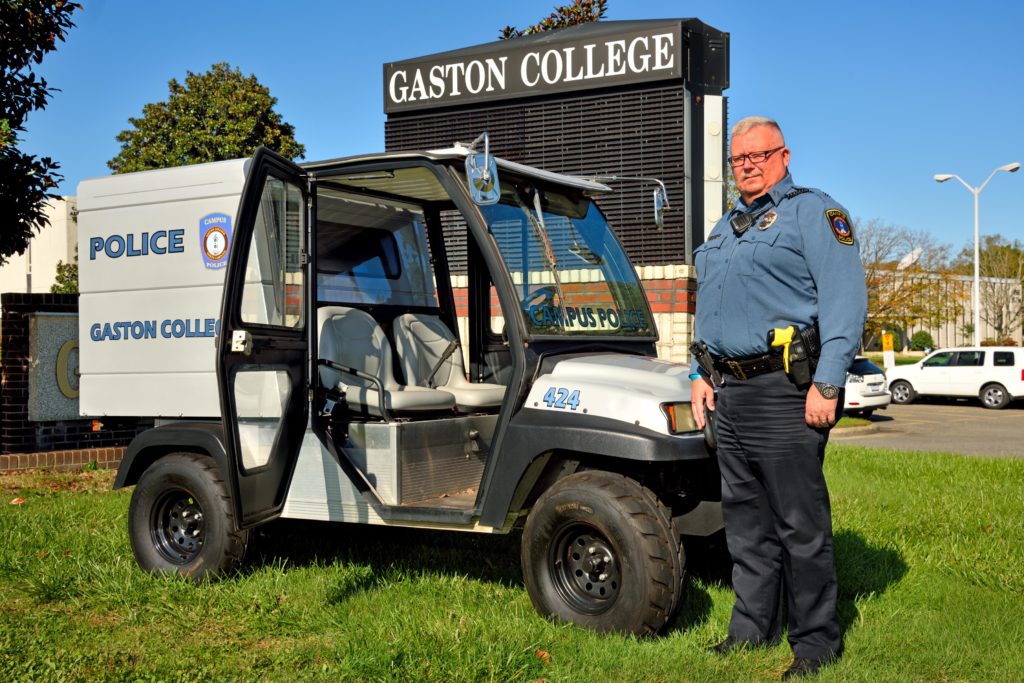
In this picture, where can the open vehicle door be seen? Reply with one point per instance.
(262, 352)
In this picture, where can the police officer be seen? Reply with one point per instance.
(784, 256)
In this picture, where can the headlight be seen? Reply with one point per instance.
(680, 418)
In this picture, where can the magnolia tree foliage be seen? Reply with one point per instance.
(29, 29)
(216, 115)
(577, 12)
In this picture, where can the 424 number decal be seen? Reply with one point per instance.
(560, 397)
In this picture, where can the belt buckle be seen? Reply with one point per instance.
(736, 369)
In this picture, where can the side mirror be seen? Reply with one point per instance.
(482, 174)
(659, 207)
(482, 178)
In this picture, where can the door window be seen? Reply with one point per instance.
(972, 359)
(940, 360)
(274, 277)
(261, 397)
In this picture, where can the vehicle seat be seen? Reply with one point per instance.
(351, 337)
(421, 341)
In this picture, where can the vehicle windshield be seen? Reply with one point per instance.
(571, 274)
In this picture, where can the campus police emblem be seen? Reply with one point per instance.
(840, 225)
(215, 238)
(767, 221)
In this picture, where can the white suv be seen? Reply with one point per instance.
(995, 374)
(865, 388)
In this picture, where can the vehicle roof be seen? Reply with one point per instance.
(457, 154)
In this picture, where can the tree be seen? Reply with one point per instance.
(1001, 264)
(217, 115)
(66, 281)
(578, 12)
(908, 277)
(29, 29)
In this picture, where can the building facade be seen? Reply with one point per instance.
(35, 271)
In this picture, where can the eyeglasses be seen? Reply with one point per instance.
(755, 157)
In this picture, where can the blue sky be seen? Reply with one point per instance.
(874, 97)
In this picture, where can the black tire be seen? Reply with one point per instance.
(181, 520)
(994, 396)
(601, 551)
(902, 392)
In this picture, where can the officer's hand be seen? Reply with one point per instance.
(820, 412)
(701, 392)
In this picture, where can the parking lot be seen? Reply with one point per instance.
(953, 426)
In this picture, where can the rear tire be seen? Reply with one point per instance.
(902, 392)
(181, 520)
(994, 396)
(601, 551)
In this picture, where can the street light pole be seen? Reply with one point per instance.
(976, 191)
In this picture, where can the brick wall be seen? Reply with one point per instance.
(17, 433)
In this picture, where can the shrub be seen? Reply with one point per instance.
(1009, 341)
(921, 341)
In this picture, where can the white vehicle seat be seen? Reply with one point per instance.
(421, 341)
(352, 338)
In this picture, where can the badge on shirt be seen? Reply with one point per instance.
(840, 225)
(767, 220)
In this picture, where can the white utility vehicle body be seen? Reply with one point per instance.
(297, 334)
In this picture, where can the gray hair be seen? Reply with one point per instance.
(752, 121)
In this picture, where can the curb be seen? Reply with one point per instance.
(845, 432)
(108, 457)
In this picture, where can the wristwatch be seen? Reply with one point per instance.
(827, 390)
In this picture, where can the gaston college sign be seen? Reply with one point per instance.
(537, 65)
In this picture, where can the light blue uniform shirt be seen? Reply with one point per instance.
(796, 265)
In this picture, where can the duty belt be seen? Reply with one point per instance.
(750, 366)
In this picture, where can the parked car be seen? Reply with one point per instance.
(865, 388)
(995, 374)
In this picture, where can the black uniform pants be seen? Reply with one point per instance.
(778, 520)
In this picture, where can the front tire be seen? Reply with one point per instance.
(601, 551)
(902, 392)
(181, 520)
(994, 396)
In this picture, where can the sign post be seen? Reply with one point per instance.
(888, 355)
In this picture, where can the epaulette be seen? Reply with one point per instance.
(796, 192)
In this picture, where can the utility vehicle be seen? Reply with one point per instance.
(442, 340)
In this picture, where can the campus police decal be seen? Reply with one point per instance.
(214, 239)
(767, 221)
(840, 225)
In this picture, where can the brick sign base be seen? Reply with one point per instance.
(19, 434)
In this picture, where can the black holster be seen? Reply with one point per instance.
(804, 350)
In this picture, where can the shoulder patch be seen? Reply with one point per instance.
(840, 225)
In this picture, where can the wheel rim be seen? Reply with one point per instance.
(585, 568)
(993, 396)
(178, 526)
(900, 393)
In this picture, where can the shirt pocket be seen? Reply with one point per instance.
(704, 257)
(754, 252)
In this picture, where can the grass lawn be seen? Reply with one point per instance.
(878, 360)
(930, 552)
